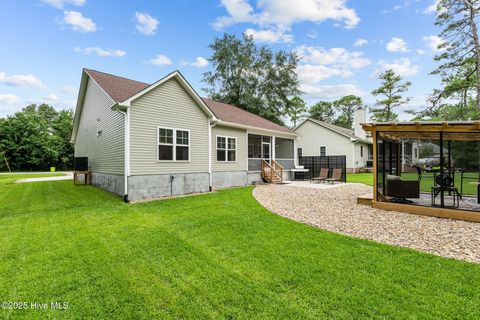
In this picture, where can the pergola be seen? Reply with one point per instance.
(387, 138)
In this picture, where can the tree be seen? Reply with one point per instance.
(391, 92)
(426, 151)
(323, 111)
(253, 78)
(37, 137)
(346, 107)
(460, 71)
(296, 109)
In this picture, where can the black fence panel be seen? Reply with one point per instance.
(315, 163)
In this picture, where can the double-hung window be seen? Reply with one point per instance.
(173, 144)
(226, 149)
(323, 151)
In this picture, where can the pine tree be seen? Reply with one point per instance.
(391, 91)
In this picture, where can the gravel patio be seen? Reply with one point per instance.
(335, 209)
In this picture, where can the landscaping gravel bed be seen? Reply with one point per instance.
(336, 210)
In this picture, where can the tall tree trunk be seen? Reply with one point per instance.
(473, 25)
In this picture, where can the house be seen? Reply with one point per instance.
(319, 138)
(148, 140)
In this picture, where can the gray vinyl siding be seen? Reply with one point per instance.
(170, 106)
(106, 151)
(240, 134)
(313, 136)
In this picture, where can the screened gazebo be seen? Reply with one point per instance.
(430, 168)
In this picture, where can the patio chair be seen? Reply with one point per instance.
(336, 176)
(322, 177)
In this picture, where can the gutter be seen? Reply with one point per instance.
(126, 173)
(247, 127)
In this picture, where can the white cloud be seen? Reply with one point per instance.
(311, 74)
(69, 90)
(402, 67)
(22, 80)
(421, 52)
(269, 36)
(330, 91)
(432, 8)
(283, 14)
(146, 24)
(51, 97)
(78, 22)
(9, 99)
(239, 11)
(160, 60)
(397, 45)
(403, 5)
(432, 43)
(339, 57)
(100, 52)
(200, 62)
(59, 4)
(318, 64)
(360, 42)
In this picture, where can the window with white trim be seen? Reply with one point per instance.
(323, 151)
(226, 149)
(173, 144)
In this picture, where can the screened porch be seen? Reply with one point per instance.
(428, 167)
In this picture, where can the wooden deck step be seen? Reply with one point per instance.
(365, 199)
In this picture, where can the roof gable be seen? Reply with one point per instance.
(349, 133)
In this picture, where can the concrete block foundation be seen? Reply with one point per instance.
(229, 179)
(151, 186)
(110, 182)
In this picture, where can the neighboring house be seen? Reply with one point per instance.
(147, 140)
(318, 138)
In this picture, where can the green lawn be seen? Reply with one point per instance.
(219, 255)
(426, 183)
(365, 178)
(9, 178)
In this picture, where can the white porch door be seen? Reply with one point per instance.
(266, 151)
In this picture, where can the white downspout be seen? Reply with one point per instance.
(353, 156)
(126, 167)
(210, 178)
(127, 153)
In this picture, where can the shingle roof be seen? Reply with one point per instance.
(345, 131)
(230, 113)
(120, 89)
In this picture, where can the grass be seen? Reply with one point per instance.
(219, 255)
(365, 178)
(426, 183)
(9, 178)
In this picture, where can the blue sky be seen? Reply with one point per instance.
(343, 44)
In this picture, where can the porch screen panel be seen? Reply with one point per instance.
(284, 148)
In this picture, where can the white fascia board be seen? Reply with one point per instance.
(78, 109)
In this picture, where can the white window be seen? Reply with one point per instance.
(323, 151)
(226, 149)
(173, 144)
